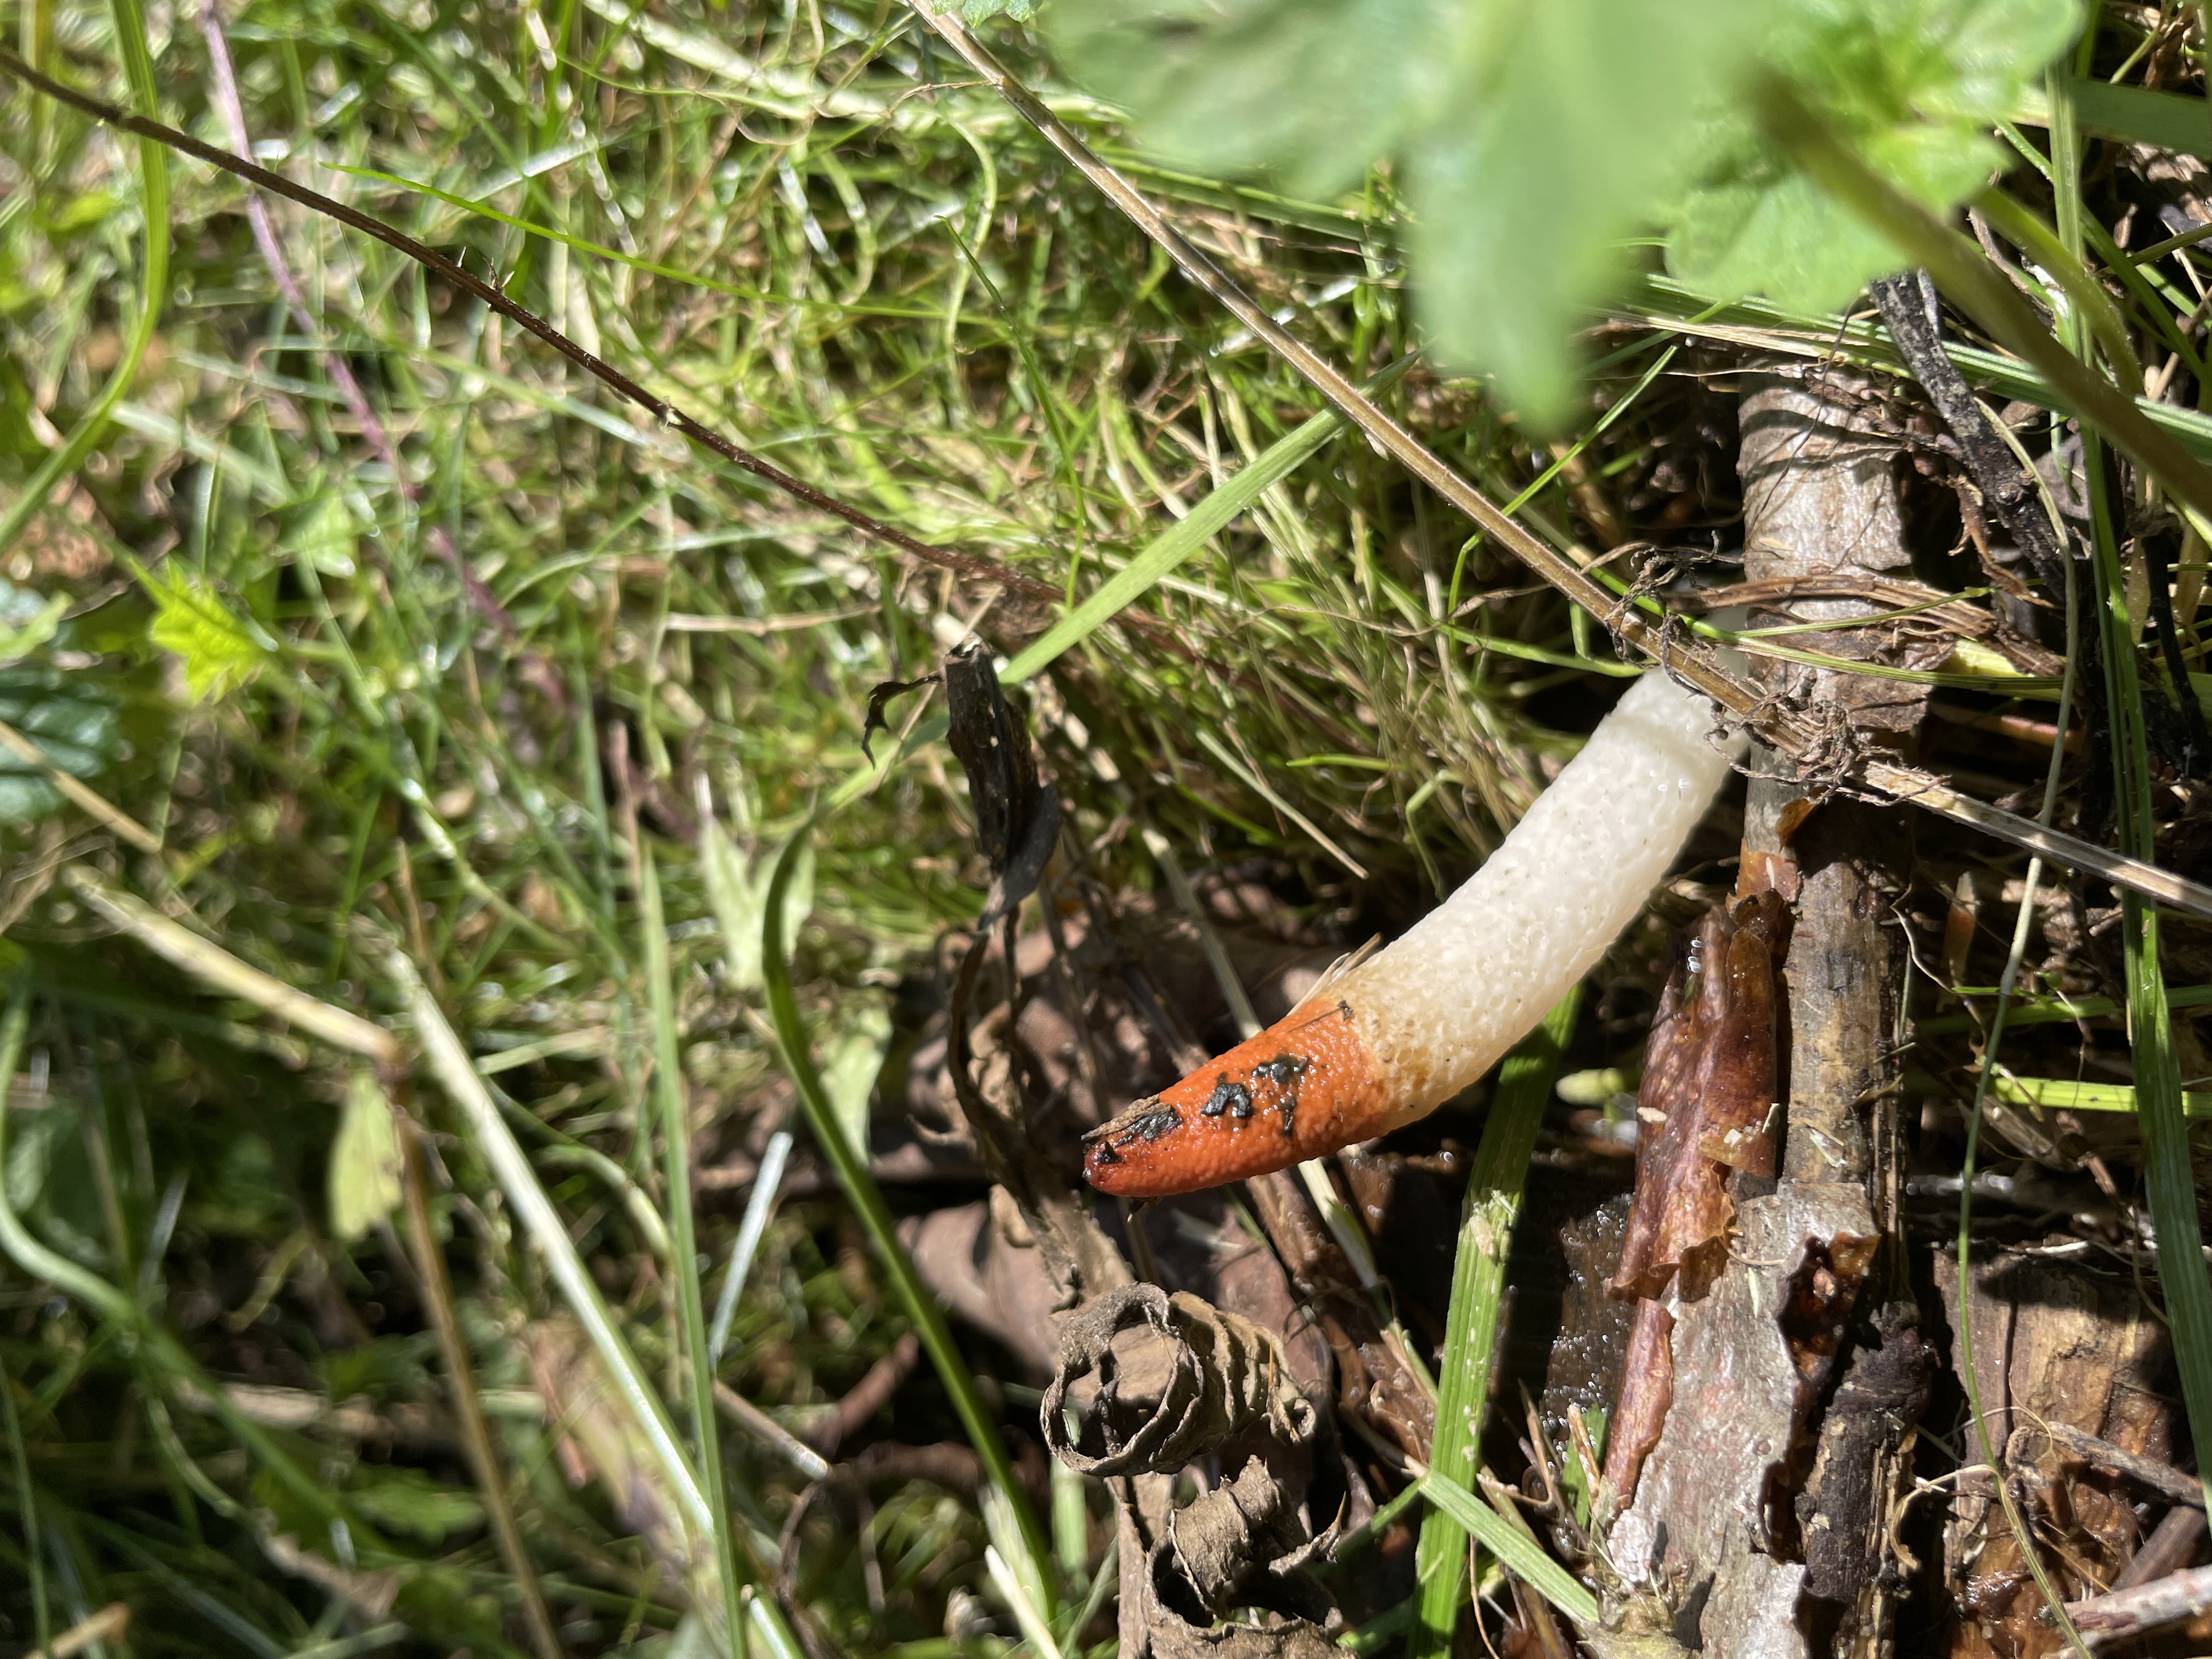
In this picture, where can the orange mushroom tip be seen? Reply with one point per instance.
(1306, 1085)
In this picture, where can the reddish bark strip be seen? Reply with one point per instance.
(1708, 1099)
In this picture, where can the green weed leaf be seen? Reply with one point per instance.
(1536, 142)
(1534, 138)
(1580, 115)
(76, 728)
(407, 1500)
(1913, 85)
(365, 1160)
(1313, 90)
(220, 652)
(981, 11)
(325, 536)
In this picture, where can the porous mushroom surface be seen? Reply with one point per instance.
(1389, 1039)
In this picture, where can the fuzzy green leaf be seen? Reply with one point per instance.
(1913, 85)
(1536, 141)
(1534, 137)
(1559, 139)
(1312, 89)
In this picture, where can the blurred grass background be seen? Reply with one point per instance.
(248, 631)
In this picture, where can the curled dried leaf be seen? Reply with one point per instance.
(1175, 1380)
(1222, 1539)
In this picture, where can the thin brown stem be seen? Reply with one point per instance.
(468, 1405)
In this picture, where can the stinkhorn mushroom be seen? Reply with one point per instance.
(1381, 1042)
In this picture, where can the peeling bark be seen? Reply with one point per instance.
(1760, 1522)
(2058, 1347)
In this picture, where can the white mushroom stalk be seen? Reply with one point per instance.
(1381, 1042)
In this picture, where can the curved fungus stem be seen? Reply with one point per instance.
(1385, 1040)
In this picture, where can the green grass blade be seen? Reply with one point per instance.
(2138, 115)
(2054, 1094)
(1208, 519)
(1485, 1233)
(2167, 1181)
(684, 1240)
(2161, 1111)
(167, 1356)
(2055, 1011)
(1515, 1549)
(496, 1143)
(154, 286)
(875, 1217)
(27, 1498)
(2161, 1108)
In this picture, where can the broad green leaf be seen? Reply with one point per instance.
(76, 727)
(325, 536)
(365, 1160)
(1536, 141)
(1314, 89)
(221, 652)
(1535, 137)
(981, 11)
(1913, 85)
(1556, 144)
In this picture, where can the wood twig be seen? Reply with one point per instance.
(2125, 1615)
(2079, 1444)
(2169, 1547)
(1908, 305)
(468, 1405)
